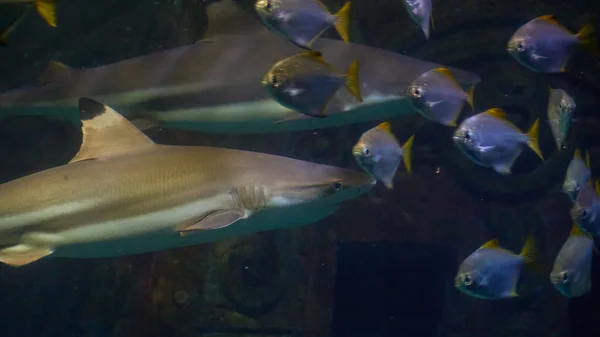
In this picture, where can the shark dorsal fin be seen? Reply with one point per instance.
(54, 71)
(106, 133)
(226, 17)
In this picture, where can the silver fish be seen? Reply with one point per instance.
(438, 96)
(306, 83)
(544, 45)
(121, 186)
(570, 274)
(378, 152)
(492, 272)
(490, 140)
(302, 21)
(223, 93)
(577, 175)
(586, 208)
(420, 12)
(560, 110)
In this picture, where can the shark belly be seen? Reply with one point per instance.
(163, 220)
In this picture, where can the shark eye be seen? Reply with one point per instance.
(337, 185)
(467, 280)
(564, 277)
(416, 92)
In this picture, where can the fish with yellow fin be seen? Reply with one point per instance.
(45, 8)
(379, 153)
(544, 45)
(560, 110)
(578, 174)
(437, 95)
(492, 272)
(420, 12)
(302, 21)
(490, 140)
(306, 83)
(571, 274)
(586, 208)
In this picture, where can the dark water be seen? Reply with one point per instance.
(384, 264)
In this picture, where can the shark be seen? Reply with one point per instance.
(215, 85)
(123, 194)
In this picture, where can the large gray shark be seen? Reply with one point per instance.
(130, 195)
(215, 84)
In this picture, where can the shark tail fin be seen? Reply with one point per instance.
(342, 22)
(47, 10)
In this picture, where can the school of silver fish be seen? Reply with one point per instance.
(123, 194)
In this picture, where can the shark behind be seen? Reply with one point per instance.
(215, 85)
(121, 186)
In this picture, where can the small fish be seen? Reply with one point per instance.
(578, 174)
(306, 83)
(379, 153)
(302, 21)
(490, 140)
(572, 266)
(544, 45)
(560, 110)
(586, 209)
(45, 8)
(493, 272)
(437, 95)
(420, 12)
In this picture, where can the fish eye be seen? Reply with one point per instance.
(337, 185)
(274, 80)
(564, 277)
(467, 280)
(416, 92)
(583, 214)
(366, 151)
(521, 46)
(268, 5)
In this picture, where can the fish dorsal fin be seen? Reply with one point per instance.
(576, 231)
(385, 126)
(549, 18)
(444, 71)
(55, 70)
(226, 17)
(497, 113)
(316, 55)
(491, 244)
(577, 154)
(106, 133)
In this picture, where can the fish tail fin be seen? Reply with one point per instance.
(533, 143)
(529, 254)
(407, 158)
(587, 38)
(47, 10)
(342, 22)
(587, 159)
(352, 82)
(470, 94)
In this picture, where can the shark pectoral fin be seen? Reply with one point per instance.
(106, 133)
(215, 220)
(23, 254)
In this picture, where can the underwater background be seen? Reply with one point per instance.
(384, 264)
